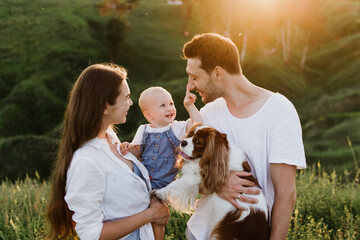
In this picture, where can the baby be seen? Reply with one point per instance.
(155, 143)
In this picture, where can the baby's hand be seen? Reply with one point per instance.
(124, 147)
(190, 98)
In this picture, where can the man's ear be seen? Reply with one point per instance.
(218, 73)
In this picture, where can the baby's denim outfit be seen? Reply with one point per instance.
(158, 156)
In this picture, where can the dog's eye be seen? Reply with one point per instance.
(197, 142)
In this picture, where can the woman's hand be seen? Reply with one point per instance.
(235, 188)
(159, 212)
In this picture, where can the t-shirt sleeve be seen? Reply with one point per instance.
(206, 113)
(137, 140)
(84, 191)
(179, 128)
(286, 144)
(212, 112)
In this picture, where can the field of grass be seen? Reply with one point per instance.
(328, 207)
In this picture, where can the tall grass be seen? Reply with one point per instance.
(22, 206)
(328, 207)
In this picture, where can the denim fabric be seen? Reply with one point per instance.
(135, 235)
(137, 172)
(158, 156)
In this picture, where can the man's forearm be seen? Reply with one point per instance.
(281, 214)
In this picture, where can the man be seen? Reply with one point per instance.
(264, 124)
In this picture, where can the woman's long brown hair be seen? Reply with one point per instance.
(96, 86)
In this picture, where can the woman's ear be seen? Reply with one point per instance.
(106, 112)
(214, 162)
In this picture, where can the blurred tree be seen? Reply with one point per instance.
(115, 36)
(187, 8)
(25, 155)
(117, 26)
(117, 7)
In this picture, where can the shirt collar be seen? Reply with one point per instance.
(102, 142)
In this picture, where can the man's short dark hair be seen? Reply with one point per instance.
(213, 50)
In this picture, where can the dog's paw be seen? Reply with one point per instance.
(160, 194)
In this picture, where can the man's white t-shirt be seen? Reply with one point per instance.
(272, 135)
(178, 128)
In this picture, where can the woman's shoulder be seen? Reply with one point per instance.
(90, 150)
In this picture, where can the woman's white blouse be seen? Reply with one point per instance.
(100, 187)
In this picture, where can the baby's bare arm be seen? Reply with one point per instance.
(134, 149)
(189, 104)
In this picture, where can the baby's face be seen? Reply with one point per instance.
(161, 109)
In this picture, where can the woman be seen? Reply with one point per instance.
(95, 190)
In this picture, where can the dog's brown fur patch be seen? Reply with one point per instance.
(254, 226)
(251, 178)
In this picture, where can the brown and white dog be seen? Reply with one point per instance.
(207, 159)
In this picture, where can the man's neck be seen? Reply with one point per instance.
(244, 98)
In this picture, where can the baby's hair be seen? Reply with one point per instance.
(147, 94)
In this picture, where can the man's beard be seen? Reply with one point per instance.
(211, 92)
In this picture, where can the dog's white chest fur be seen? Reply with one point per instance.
(183, 192)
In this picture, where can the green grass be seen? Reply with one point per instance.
(22, 206)
(328, 207)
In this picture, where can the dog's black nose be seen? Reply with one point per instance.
(183, 143)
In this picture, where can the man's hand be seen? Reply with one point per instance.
(235, 188)
(159, 211)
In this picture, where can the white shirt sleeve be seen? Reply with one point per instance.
(179, 128)
(286, 144)
(85, 189)
(210, 112)
(137, 140)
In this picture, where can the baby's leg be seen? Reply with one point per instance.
(159, 231)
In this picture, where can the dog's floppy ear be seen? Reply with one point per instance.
(214, 162)
(179, 162)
